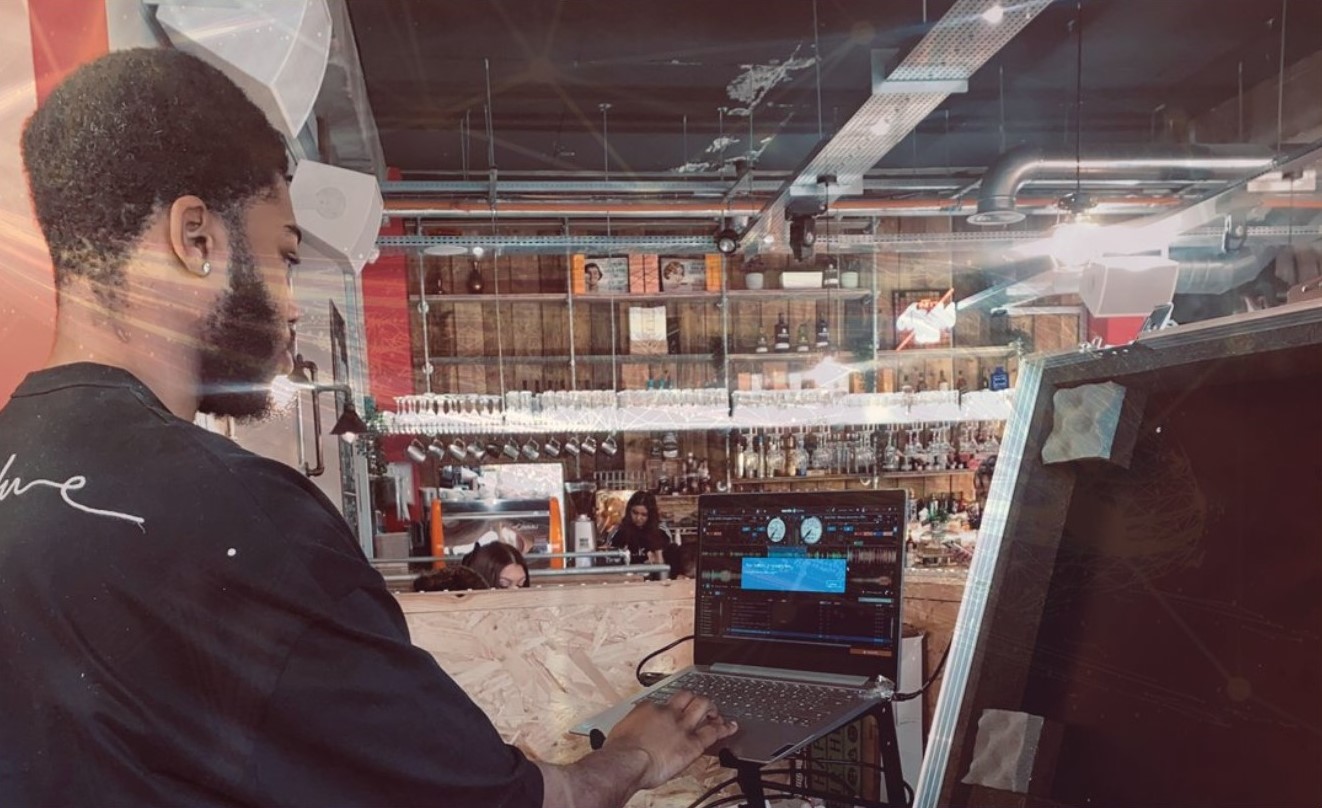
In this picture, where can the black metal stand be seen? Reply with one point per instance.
(749, 775)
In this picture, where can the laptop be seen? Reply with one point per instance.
(797, 620)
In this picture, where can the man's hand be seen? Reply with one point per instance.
(672, 735)
(649, 746)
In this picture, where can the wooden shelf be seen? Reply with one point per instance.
(520, 297)
(839, 478)
(737, 295)
(564, 359)
(800, 294)
(785, 356)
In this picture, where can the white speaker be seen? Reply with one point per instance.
(276, 50)
(1128, 286)
(339, 211)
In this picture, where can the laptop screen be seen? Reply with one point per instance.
(801, 580)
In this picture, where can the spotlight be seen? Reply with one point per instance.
(727, 241)
(803, 235)
(350, 425)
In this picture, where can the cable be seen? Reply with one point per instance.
(908, 789)
(709, 793)
(638, 671)
(935, 673)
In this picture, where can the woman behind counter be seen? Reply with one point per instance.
(640, 532)
(499, 564)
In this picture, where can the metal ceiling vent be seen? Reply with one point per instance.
(957, 45)
(1020, 165)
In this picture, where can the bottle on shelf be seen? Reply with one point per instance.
(961, 385)
(774, 465)
(823, 334)
(942, 383)
(803, 346)
(782, 343)
(798, 457)
(761, 344)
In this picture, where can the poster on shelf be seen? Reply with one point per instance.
(601, 275)
(924, 318)
(683, 274)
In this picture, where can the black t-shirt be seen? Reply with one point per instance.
(638, 541)
(183, 622)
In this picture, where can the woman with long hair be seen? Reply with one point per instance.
(499, 564)
(640, 532)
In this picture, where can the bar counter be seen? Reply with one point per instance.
(538, 660)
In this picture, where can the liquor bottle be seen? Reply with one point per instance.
(922, 382)
(774, 464)
(804, 346)
(942, 384)
(782, 335)
(961, 385)
(823, 334)
(798, 457)
(761, 344)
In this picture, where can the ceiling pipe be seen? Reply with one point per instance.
(450, 208)
(1004, 178)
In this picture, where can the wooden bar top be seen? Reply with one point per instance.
(539, 660)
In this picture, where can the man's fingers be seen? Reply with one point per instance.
(713, 731)
(697, 711)
(681, 700)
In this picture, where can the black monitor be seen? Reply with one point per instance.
(805, 580)
(1162, 606)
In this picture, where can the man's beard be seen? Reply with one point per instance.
(241, 341)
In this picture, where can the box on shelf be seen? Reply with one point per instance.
(715, 272)
(680, 274)
(801, 279)
(647, 330)
(605, 275)
(642, 274)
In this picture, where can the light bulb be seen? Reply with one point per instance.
(1076, 243)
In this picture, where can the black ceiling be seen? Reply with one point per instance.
(658, 63)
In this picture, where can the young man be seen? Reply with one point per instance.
(183, 622)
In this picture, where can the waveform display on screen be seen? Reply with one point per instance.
(786, 574)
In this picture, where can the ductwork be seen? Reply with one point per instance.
(1004, 178)
(1201, 272)
(1214, 275)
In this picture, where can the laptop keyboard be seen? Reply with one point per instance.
(745, 698)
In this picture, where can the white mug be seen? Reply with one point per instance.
(416, 451)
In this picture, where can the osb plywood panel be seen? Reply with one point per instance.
(539, 660)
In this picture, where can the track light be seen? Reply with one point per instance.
(727, 241)
(803, 235)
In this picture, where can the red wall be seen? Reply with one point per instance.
(65, 34)
(386, 322)
(1114, 330)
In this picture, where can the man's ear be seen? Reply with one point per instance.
(193, 231)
